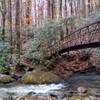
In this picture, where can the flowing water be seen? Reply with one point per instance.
(24, 89)
(90, 80)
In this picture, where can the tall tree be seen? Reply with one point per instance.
(28, 16)
(48, 8)
(28, 12)
(60, 8)
(3, 11)
(52, 9)
(78, 9)
(84, 8)
(89, 7)
(71, 6)
(35, 16)
(10, 25)
(65, 8)
(18, 29)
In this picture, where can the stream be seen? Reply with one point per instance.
(90, 80)
(25, 89)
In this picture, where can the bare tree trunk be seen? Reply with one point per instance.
(18, 29)
(35, 19)
(65, 9)
(78, 9)
(28, 12)
(10, 31)
(3, 27)
(52, 9)
(60, 8)
(71, 6)
(48, 9)
(89, 7)
(3, 11)
(84, 8)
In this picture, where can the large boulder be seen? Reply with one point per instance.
(38, 76)
(5, 78)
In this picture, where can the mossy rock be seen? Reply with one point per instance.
(5, 78)
(38, 76)
(81, 98)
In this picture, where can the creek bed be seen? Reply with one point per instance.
(88, 80)
(25, 89)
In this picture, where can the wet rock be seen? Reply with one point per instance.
(58, 94)
(81, 90)
(20, 98)
(38, 76)
(16, 75)
(83, 93)
(31, 93)
(65, 99)
(80, 98)
(36, 97)
(5, 78)
(41, 98)
(12, 98)
(53, 95)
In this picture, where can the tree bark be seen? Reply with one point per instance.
(48, 9)
(3, 27)
(35, 19)
(10, 31)
(18, 29)
(65, 8)
(3, 11)
(60, 8)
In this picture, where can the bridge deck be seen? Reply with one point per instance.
(85, 37)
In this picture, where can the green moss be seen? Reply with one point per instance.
(5, 79)
(39, 77)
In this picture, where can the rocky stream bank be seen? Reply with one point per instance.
(75, 87)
